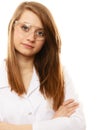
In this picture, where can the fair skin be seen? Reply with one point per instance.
(27, 47)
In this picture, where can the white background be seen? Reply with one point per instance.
(77, 21)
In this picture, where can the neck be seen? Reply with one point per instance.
(25, 63)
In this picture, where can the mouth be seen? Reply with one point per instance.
(27, 46)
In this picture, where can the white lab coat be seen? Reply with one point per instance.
(33, 108)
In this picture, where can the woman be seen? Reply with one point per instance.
(35, 91)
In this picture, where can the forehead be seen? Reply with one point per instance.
(30, 17)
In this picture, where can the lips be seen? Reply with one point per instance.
(27, 45)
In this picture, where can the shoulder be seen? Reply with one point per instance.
(67, 77)
(3, 74)
(70, 90)
(3, 67)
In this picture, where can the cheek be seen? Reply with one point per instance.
(17, 37)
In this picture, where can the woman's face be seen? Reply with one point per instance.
(29, 34)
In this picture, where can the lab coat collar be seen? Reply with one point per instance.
(34, 84)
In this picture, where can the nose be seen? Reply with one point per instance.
(31, 37)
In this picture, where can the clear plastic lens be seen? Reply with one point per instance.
(26, 29)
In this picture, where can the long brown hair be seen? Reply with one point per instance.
(47, 61)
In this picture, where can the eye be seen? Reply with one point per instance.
(25, 28)
(40, 33)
